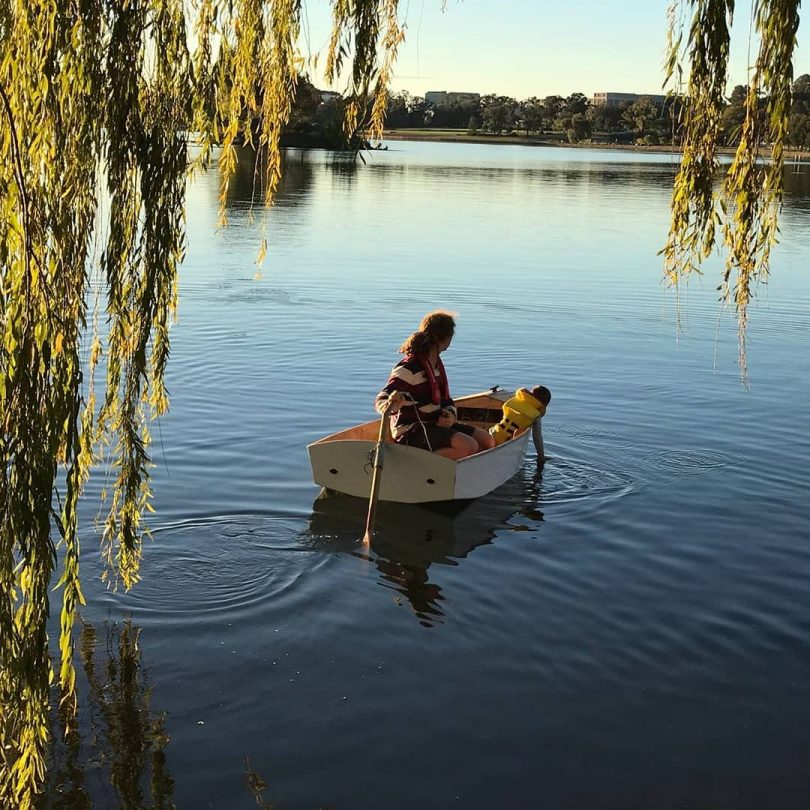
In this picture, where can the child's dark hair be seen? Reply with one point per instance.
(541, 394)
(435, 327)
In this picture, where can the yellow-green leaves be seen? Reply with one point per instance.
(753, 186)
(91, 89)
(744, 207)
(693, 197)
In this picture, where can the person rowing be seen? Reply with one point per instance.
(417, 395)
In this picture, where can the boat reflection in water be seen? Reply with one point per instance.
(410, 538)
(117, 749)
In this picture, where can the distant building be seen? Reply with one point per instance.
(614, 99)
(443, 98)
(437, 98)
(329, 95)
(462, 98)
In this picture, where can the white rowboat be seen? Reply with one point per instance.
(343, 462)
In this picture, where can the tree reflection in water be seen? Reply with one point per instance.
(115, 756)
(302, 170)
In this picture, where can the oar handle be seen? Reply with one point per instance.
(376, 476)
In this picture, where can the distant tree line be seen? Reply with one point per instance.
(799, 128)
(575, 117)
(316, 120)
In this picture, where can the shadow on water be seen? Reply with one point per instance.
(410, 538)
(115, 758)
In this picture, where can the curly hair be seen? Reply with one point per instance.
(435, 327)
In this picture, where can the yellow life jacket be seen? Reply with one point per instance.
(518, 412)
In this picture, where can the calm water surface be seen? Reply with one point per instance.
(628, 627)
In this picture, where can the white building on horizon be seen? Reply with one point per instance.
(444, 98)
(614, 99)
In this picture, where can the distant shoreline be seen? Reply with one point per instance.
(450, 136)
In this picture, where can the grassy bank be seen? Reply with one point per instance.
(462, 136)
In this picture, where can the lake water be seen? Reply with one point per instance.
(628, 627)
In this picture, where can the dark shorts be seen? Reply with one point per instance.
(438, 437)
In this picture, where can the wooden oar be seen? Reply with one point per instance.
(379, 452)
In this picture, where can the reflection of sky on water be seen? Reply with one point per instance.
(328, 203)
(645, 602)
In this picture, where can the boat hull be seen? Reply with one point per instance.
(343, 463)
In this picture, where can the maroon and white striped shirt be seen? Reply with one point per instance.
(409, 376)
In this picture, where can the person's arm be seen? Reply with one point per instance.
(447, 416)
(397, 390)
(449, 413)
(393, 402)
(447, 404)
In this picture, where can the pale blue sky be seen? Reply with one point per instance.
(528, 48)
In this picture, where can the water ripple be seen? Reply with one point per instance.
(594, 436)
(210, 564)
(567, 481)
(687, 462)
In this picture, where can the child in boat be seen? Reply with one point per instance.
(418, 395)
(520, 411)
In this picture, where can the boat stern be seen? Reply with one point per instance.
(409, 475)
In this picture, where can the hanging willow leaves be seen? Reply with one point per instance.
(96, 101)
(745, 207)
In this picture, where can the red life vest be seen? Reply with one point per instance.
(438, 393)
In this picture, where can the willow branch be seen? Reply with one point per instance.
(19, 177)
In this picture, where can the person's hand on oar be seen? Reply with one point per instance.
(446, 418)
(397, 400)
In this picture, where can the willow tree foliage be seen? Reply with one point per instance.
(97, 100)
(742, 212)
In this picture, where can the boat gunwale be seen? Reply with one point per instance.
(499, 395)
